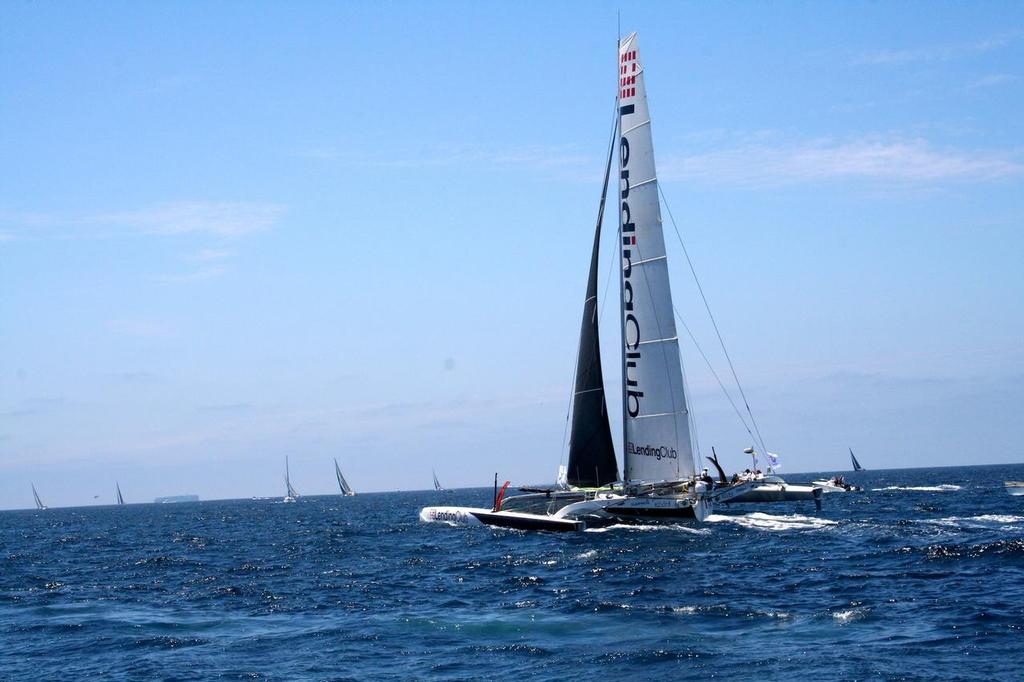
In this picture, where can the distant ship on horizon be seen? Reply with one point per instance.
(170, 499)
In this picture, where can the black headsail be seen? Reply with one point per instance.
(591, 452)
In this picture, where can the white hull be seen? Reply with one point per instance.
(288, 498)
(601, 510)
(475, 516)
(830, 487)
(779, 492)
(452, 516)
(666, 508)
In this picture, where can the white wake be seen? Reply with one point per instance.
(772, 522)
(944, 488)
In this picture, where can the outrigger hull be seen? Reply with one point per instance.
(659, 509)
(470, 516)
(577, 512)
(776, 492)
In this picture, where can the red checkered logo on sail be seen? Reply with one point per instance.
(627, 74)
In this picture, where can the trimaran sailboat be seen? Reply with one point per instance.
(659, 475)
(346, 489)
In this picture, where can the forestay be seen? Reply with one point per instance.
(657, 443)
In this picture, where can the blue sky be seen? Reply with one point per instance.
(235, 231)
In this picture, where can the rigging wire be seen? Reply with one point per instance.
(718, 333)
(714, 373)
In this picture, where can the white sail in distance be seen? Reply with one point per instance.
(346, 489)
(35, 495)
(290, 491)
(657, 444)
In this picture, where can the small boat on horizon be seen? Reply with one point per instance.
(437, 484)
(176, 499)
(837, 484)
(1015, 488)
(291, 495)
(346, 489)
(39, 503)
(120, 498)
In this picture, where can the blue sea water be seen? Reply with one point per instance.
(919, 578)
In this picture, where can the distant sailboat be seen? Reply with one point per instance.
(346, 489)
(120, 499)
(437, 484)
(291, 494)
(39, 503)
(856, 464)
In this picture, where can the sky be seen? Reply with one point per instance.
(237, 231)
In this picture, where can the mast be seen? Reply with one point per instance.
(437, 484)
(622, 276)
(656, 429)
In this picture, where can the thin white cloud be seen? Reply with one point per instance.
(759, 163)
(561, 161)
(142, 328)
(207, 255)
(219, 219)
(170, 84)
(992, 80)
(937, 53)
(223, 219)
(199, 275)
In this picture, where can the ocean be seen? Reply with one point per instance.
(919, 578)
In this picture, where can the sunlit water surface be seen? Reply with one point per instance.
(921, 577)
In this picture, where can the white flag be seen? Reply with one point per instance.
(562, 482)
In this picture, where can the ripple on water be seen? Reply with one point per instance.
(888, 583)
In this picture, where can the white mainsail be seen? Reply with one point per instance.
(657, 444)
